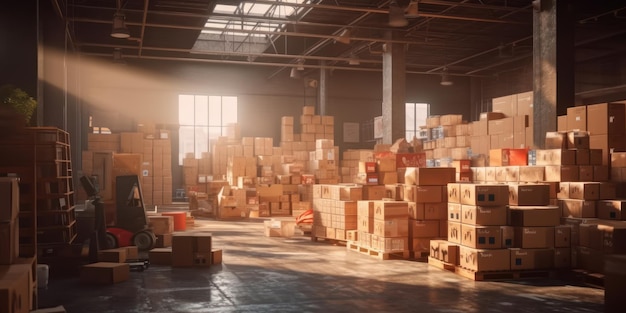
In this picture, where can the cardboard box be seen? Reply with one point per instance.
(484, 195)
(529, 259)
(454, 192)
(486, 216)
(562, 258)
(578, 140)
(454, 232)
(606, 118)
(535, 215)
(454, 212)
(556, 157)
(588, 259)
(480, 260)
(563, 236)
(532, 174)
(161, 224)
(9, 198)
(529, 194)
(578, 208)
(423, 229)
(15, 290)
(163, 241)
(434, 249)
(9, 242)
(429, 194)
(561, 173)
(105, 273)
(612, 209)
(118, 255)
(396, 227)
(556, 140)
(481, 237)
(216, 256)
(508, 157)
(449, 252)
(508, 236)
(160, 256)
(384, 210)
(429, 176)
(534, 237)
(577, 118)
(584, 190)
(374, 192)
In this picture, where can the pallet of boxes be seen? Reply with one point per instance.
(18, 275)
(188, 249)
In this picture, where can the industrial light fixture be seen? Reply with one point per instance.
(295, 74)
(117, 56)
(300, 66)
(445, 78)
(412, 10)
(119, 24)
(354, 59)
(396, 15)
(344, 37)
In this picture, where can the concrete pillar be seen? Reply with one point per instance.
(322, 88)
(394, 92)
(553, 65)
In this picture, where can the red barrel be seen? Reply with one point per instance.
(180, 220)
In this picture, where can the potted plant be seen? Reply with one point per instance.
(17, 100)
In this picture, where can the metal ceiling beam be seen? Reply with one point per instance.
(470, 5)
(143, 25)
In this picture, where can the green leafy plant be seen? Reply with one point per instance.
(18, 100)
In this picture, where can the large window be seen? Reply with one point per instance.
(416, 114)
(202, 118)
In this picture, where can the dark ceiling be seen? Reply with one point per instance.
(468, 37)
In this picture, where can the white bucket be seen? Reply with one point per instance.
(42, 275)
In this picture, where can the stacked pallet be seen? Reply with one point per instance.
(323, 162)
(383, 229)
(426, 193)
(334, 210)
(446, 139)
(18, 276)
(350, 164)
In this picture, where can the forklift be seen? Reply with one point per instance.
(131, 223)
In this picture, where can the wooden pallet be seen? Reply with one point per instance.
(329, 240)
(589, 278)
(504, 275)
(398, 255)
(442, 265)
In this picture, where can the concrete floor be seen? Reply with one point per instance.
(261, 274)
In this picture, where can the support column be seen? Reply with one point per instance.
(322, 96)
(553, 65)
(394, 92)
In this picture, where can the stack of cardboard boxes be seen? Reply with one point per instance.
(189, 249)
(18, 280)
(335, 210)
(446, 138)
(350, 164)
(383, 228)
(323, 162)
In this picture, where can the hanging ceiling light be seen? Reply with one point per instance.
(300, 66)
(396, 15)
(119, 26)
(295, 74)
(354, 59)
(344, 37)
(412, 10)
(445, 78)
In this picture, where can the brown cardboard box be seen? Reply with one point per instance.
(556, 157)
(585, 172)
(528, 259)
(534, 237)
(501, 126)
(454, 232)
(534, 215)
(612, 209)
(384, 210)
(506, 105)
(15, 291)
(480, 260)
(608, 190)
(105, 273)
(480, 128)
(429, 194)
(216, 256)
(202, 259)
(118, 255)
(435, 252)
(396, 227)
(556, 140)
(584, 190)
(163, 241)
(589, 259)
(578, 140)
(483, 215)
(614, 283)
(454, 212)
(606, 118)
(595, 156)
(9, 242)
(529, 194)
(449, 252)
(563, 236)
(10, 195)
(484, 195)
(423, 229)
(374, 192)
(613, 236)
(561, 123)
(416, 210)
(508, 236)
(531, 173)
(561, 173)
(578, 208)
(454, 192)
(183, 248)
(161, 224)
(583, 156)
(432, 176)
(481, 237)
(160, 256)
(525, 103)
(577, 118)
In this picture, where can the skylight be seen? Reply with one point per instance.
(244, 35)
